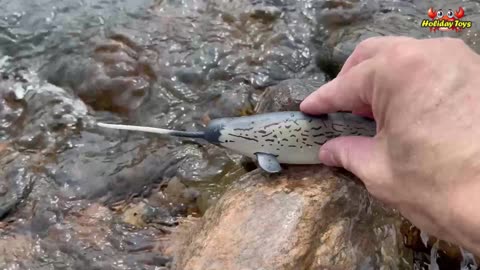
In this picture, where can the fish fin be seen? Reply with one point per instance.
(268, 162)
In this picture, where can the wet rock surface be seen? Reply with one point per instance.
(309, 217)
(116, 76)
(287, 95)
(74, 196)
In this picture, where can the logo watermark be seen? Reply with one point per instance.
(448, 20)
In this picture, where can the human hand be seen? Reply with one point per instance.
(425, 159)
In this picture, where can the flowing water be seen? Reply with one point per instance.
(71, 194)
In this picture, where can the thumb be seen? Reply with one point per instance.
(359, 155)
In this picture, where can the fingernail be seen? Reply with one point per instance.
(327, 158)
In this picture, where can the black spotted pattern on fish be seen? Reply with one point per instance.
(269, 140)
(246, 138)
(288, 126)
(298, 129)
(338, 125)
(269, 125)
(285, 139)
(261, 131)
(268, 134)
(318, 135)
(293, 135)
(243, 129)
(317, 128)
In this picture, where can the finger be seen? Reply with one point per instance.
(350, 92)
(369, 48)
(365, 113)
(360, 155)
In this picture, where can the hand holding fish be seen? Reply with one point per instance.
(425, 158)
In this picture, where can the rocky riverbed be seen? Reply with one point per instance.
(74, 196)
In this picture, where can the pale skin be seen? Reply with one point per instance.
(425, 159)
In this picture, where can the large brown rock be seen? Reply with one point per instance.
(308, 217)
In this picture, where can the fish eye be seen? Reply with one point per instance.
(440, 13)
(450, 13)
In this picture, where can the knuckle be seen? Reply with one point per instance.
(366, 43)
(406, 55)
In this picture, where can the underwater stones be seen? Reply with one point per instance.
(111, 168)
(16, 182)
(229, 100)
(344, 24)
(116, 77)
(11, 106)
(50, 111)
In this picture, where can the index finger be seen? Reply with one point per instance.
(369, 48)
(350, 92)
(352, 89)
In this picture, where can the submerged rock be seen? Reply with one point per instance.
(16, 181)
(343, 24)
(309, 217)
(11, 106)
(89, 237)
(115, 76)
(287, 95)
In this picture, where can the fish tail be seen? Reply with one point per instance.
(175, 133)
